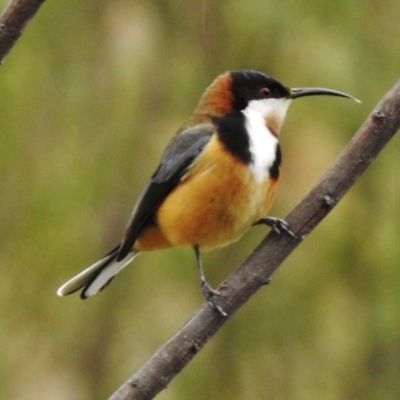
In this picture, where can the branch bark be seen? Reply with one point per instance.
(171, 358)
(13, 20)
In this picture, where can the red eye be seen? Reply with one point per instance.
(265, 92)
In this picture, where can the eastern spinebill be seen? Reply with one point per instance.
(216, 179)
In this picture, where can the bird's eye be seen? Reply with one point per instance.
(265, 92)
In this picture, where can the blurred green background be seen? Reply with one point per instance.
(90, 96)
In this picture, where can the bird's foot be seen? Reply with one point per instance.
(209, 293)
(278, 225)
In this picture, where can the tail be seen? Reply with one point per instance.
(97, 276)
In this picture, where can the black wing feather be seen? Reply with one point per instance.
(175, 162)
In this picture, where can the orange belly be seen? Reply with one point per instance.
(214, 205)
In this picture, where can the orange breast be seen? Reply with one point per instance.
(214, 205)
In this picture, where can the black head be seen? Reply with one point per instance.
(253, 85)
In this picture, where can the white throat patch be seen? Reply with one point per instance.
(263, 142)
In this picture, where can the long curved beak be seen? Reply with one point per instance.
(295, 93)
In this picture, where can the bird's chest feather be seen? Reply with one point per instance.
(219, 198)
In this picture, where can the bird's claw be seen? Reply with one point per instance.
(278, 225)
(209, 293)
(217, 308)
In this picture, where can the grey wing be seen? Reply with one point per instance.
(175, 162)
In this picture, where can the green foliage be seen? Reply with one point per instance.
(91, 94)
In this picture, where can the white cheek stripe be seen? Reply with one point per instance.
(262, 142)
(262, 146)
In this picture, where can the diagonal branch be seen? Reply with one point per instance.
(256, 271)
(13, 20)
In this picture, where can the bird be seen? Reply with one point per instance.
(216, 179)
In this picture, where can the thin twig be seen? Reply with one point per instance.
(13, 20)
(256, 271)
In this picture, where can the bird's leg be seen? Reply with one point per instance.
(280, 226)
(206, 289)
